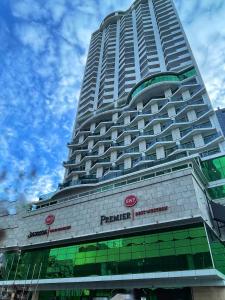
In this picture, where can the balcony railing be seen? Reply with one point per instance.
(212, 137)
(200, 126)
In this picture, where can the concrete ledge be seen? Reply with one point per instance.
(193, 278)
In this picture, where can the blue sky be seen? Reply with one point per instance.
(42, 56)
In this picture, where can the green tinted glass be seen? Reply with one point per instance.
(181, 249)
(161, 78)
(214, 169)
(218, 251)
(217, 192)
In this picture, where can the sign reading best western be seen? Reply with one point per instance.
(130, 201)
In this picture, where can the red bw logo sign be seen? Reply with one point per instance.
(49, 219)
(130, 201)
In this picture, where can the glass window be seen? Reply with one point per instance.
(214, 169)
(180, 249)
(217, 192)
(161, 78)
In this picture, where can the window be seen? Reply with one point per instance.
(171, 250)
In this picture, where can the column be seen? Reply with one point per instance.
(127, 163)
(81, 139)
(160, 152)
(102, 130)
(90, 144)
(171, 111)
(99, 172)
(198, 140)
(191, 114)
(176, 134)
(139, 106)
(78, 158)
(204, 293)
(127, 120)
(154, 108)
(35, 296)
(168, 93)
(186, 95)
(127, 140)
(157, 128)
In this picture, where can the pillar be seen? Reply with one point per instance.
(102, 130)
(139, 106)
(168, 93)
(171, 111)
(176, 134)
(141, 124)
(154, 108)
(198, 140)
(127, 140)
(186, 95)
(99, 172)
(191, 114)
(204, 293)
(35, 296)
(78, 158)
(127, 120)
(127, 163)
(157, 128)
(160, 152)
(81, 139)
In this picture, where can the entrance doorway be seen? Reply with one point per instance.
(138, 294)
(174, 294)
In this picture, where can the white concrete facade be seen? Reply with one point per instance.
(180, 191)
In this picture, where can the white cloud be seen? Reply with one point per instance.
(44, 184)
(58, 32)
(26, 9)
(33, 35)
(57, 9)
(205, 27)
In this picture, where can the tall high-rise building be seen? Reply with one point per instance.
(142, 97)
(140, 213)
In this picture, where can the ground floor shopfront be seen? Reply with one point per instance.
(192, 247)
(154, 265)
(147, 294)
(166, 245)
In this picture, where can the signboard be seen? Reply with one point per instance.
(50, 219)
(131, 201)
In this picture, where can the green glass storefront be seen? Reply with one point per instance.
(172, 250)
(186, 248)
(148, 294)
(214, 169)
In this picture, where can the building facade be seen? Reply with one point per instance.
(220, 112)
(140, 211)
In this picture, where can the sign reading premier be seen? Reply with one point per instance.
(131, 201)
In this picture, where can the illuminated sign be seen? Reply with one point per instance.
(49, 219)
(47, 231)
(130, 201)
(131, 215)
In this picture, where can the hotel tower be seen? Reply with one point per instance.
(140, 213)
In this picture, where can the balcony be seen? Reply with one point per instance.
(192, 128)
(117, 173)
(212, 137)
